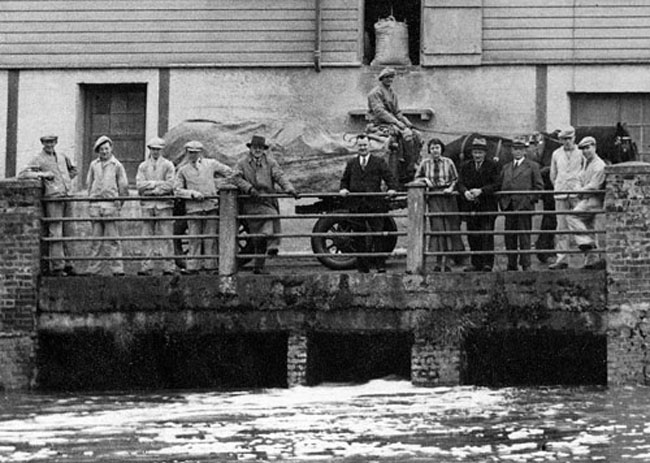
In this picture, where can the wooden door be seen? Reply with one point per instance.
(117, 111)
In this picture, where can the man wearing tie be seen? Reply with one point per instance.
(519, 175)
(478, 180)
(364, 174)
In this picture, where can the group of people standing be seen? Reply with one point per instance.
(158, 181)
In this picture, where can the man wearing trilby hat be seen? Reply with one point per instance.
(57, 172)
(258, 173)
(155, 177)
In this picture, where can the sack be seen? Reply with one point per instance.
(391, 43)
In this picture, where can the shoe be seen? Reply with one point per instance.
(446, 269)
(185, 271)
(487, 268)
(169, 272)
(145, 272)
(118, 274)
(558, 266)
(69, 270)
(437, 269)
(58, 273)
(260, 271)
(381, 269)
(586, 247)
(272, 252)
(600, 265)
(470, 269)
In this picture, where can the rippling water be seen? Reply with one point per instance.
(378, 421)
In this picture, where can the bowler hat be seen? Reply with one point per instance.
(479, 144)
(386, 72)
(519, 143)
(193, 146)
(258, 141)
(156, 143)
(100, 141)
(587, 141)
(567, 132)
(49, 137)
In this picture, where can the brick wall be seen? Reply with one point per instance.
(628, 273)
(297, 359)
(435, 364)
(20, 232)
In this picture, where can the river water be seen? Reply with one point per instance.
(379, 421)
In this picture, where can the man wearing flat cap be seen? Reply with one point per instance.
(520, 174)
(258, 173)
(57, 171)
(195, 181)
(566, 165)
(477, 183)
(155, 177)
(592, 177)
(384, 112)
(106, 179)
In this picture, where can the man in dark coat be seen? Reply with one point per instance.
(478, 181)
(519, 175)
(364, 174)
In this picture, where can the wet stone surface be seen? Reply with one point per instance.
(378, 421)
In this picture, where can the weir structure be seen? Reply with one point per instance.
(299, 329)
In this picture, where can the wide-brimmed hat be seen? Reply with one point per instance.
(258, 141)
(193, 146)
(156, 143)
(100, 141)
(386, 72)
(479, 144)
(567, 132)
(49, 137)
(587, 141)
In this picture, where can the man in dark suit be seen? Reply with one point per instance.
(519, 175)
(477, 183)
(364, 174)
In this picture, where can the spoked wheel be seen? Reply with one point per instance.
(338, 246)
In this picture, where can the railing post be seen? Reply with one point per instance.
(416, 224)
(228, 230)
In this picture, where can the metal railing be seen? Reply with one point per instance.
(233, 236)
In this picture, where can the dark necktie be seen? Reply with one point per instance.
(478, 166)
(436, 171)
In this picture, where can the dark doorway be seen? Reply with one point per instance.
(118, 111)
(545, 357)
(358, 357)
(100, 360)
(408, 11)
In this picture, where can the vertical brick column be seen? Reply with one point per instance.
(628, 273)
(20, 232)
(297, 359)
(435, 363)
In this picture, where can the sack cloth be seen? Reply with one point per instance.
(391, 43)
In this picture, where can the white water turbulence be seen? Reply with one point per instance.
(378, 421)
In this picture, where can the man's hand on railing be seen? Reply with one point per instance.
(254, 193)
(391, 192)
(294, 193)
(197, 195)
(344, 192)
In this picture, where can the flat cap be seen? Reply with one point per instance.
(519, 143)
(386, 72)
(479, 144)
(100, 141)
(567, 132)
(587, 141)
(156, 142)
(49, 137)
(193, 146)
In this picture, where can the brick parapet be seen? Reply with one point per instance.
(627, 205)
(20, 233)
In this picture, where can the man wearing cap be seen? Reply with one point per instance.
(384, 111)
(106, 179)
(364, 174)
(478, 181)
(57, 171)
(195, 181)
(566, 165)
(519, 175)
(155, 177)
(592, 177)
(258, 173)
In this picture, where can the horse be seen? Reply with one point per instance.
(499, 149)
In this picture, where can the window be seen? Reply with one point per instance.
(117, 111)
(407, 11)
(632, 109)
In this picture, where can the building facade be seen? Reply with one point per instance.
(134, 69)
